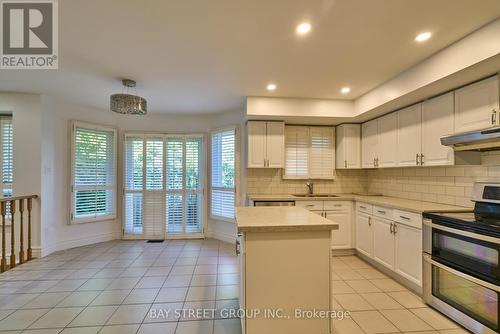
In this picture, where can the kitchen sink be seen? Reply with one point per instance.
(315, 195)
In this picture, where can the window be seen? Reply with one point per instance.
(93, 184)
(309, 152)
(6, 142)
(164, 180)
(223, 174)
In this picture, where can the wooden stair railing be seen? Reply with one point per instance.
(13, 203)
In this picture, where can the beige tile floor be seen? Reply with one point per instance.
(378, 304)
(117, 287)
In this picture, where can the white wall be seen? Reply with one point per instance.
(25, 109)
(42, 163)
(55, 148)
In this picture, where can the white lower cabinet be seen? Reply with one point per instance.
(395, 243)
(408, 251)
(364, 234)
(338, 212)
(383, 242)
(341, 238)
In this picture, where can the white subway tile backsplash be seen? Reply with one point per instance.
(447, 185)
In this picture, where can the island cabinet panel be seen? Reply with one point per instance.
(286, 270)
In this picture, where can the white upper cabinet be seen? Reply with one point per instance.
(387, 141)
(256, 144)
(266, 144)
(437, 121)
(348, 144)
(275, 144)
(369, 143)
(322, 152)
(476, 106)
(409, 136)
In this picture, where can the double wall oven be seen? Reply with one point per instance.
(461, 261)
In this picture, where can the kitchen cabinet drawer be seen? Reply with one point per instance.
(336, 205)
(383, 212)
(310, 205)
(363, 207)
(408, 218)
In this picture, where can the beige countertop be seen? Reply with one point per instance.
(392, 202)
(278, 219)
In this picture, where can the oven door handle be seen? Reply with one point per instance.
(428, 259)
(463, 233)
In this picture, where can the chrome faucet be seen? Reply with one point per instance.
(310, 187)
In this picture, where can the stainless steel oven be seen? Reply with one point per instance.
(461, 263)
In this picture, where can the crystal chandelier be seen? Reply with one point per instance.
(126, 103)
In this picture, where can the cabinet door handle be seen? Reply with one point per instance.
(345, 163)
(369, 221)
(403, 217)
(362, 207)
(381, 212)
(310, 206)
(392, 228)
(421, 159)
(416, 159)
(237, 247)
(493, 117)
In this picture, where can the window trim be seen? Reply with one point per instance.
(309, 176)
(10, 185)
(237, 156)
(72, 217)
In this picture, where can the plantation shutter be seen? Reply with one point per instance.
(297, 152)
(134, 169)
(223, 174)
(7, 138)
(321, 162)
(94, 169)
(154, 213)
(175, 184)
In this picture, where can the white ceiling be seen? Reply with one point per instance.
(204, 56)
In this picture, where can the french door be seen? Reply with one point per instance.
(163, 186)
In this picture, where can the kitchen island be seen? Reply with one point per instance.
(285, 264)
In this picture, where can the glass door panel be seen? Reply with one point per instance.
(163, 186)
(477, 257)
(477, 301)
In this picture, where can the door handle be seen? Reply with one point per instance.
(394, 229)
(416, 159)
(421, 159)
(345, 163)
(237, 248)
(493, 117)
(369, 221)
(391, 228)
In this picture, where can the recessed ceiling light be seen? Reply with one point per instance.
(345, 90)
(303, 28)
(423, 36)
(271, 87)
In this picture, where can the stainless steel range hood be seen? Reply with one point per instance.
(478, 140)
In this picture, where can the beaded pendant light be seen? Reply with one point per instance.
(126, 103)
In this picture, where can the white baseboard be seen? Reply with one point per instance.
(78, 242)
(227, 237)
